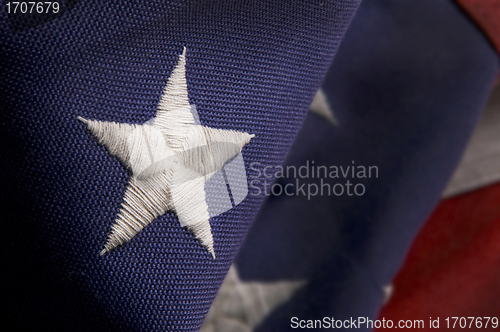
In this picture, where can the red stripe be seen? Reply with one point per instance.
(453, 268)
(486, 14)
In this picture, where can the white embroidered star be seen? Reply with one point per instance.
(170, 158)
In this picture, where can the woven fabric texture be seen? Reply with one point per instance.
(252, 66)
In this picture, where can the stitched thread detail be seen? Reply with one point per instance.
(170, 158)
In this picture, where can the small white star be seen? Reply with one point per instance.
(170, 158)
(321, 107)
(242, 305)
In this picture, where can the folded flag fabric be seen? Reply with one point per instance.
(97, 96)
(407, 86)
(458, 248)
